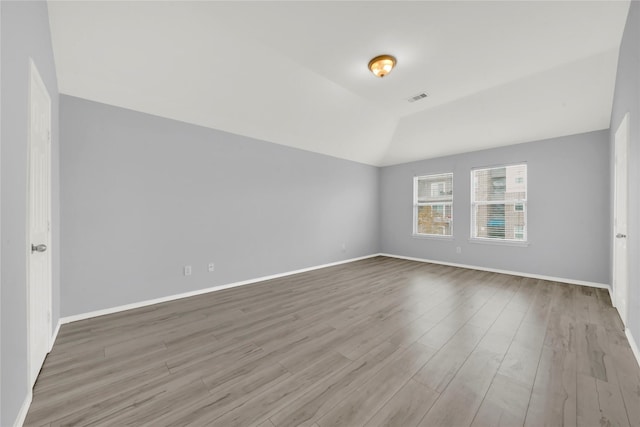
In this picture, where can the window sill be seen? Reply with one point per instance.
(499, 242)
(431, 236)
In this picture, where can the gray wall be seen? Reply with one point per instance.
(568, 211)
(143, 195)
(25, 33)
(627, 99)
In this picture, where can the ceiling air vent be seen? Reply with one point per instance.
(417, 97)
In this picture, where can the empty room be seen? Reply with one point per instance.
(320, 213)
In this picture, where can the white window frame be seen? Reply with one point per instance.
(473, 204)
(416, 206)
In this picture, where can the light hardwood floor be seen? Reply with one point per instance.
(378, 342)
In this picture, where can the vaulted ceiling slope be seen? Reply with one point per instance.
(295, 73)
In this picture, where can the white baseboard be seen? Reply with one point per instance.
(55, 335)
(513, 273)
(633, 345)
(22, 415)
(611, 295)
(111, 310)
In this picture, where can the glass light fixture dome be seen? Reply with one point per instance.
(382, 65)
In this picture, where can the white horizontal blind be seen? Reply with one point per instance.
(499, 203)
(433, 205)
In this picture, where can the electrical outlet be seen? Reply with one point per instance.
(458, 250)
(187, 270)
(212, 267)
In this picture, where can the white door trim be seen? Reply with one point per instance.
(36, 79)
(620, 280)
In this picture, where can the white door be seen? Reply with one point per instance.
(39, 224)
(620, 264)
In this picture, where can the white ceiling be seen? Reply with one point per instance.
(294, 73)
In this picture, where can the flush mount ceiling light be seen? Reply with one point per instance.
(382, 65)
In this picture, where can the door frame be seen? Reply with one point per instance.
(620, 291)
(34, 77)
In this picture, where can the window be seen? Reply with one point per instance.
(518, 232)
(432, 205)
(498, 203)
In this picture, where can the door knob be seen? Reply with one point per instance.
(621, 236)
(38, 248)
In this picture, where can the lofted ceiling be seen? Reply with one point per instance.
(295, 73)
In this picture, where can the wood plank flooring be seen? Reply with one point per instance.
(378, 342)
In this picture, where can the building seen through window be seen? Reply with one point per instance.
(433, 205)
(499, 199)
